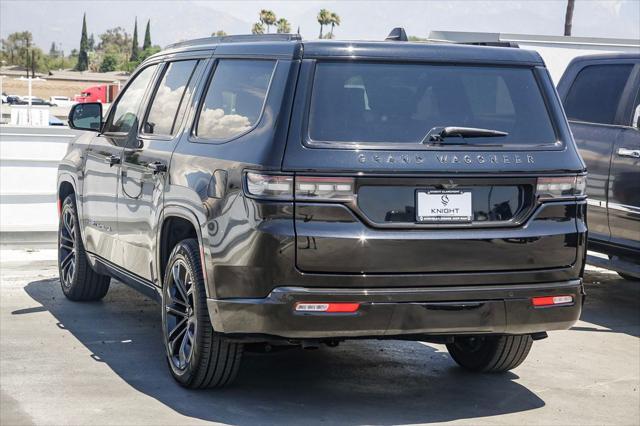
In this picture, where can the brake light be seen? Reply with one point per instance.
(551, 300)
(273, 187)
(308, 188)
(340, 307)
(324, 188)
(553, 188)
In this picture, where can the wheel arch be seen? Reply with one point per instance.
(177, 224)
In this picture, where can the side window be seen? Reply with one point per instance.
(124, 117)
(172, 90)
(234, 98)
(595, 94)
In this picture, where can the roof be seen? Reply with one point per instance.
(478, 37)
(608, 57)
(293, 47)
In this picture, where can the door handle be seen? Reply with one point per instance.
(626, 152)
(157, 167)
(111, 160)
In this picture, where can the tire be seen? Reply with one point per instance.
(490, 354)
(197, 356)
(78, 280)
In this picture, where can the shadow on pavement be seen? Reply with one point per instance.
(612, 302)
(360, 382)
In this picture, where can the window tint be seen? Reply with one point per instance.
(172, 89)
(235, 97)
(125, 114)
(401, 103)
(595, 94)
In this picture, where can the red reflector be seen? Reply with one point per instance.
(343, 307)
(551, 300)
(327, 307)
(59, 207)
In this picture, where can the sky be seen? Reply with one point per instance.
(60, 21)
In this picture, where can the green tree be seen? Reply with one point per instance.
(92, 43)
(283, 26)
(135, 49)
(335, 21)
(53, 52)
(147, 36)
(83, 58)
(219, 33)
(268, 18)
(109, 63)
(257, 28)
(324, 18)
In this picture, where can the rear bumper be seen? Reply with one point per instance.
(504, 309)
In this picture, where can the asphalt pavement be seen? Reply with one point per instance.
(102, 363)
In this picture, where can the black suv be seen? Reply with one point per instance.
(269, 190)
(601, 96)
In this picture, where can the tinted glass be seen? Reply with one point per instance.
(595, 94)
(235, 97)
(401, 103)
(172, 89)
(124, 117)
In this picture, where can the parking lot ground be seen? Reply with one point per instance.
(102, 363)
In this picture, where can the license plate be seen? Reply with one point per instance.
(444, 206)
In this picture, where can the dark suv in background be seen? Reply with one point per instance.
(269, 190)
(601, 96)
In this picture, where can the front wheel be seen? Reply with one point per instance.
(78, 280)
(197, 356)
(490, 354)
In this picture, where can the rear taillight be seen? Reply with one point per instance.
(307, 188)
(270, 187)
(324, 188)
(553, 188)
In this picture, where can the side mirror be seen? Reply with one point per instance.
(86, 116)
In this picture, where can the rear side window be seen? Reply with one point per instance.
(400, 103)
(163, 115)
(595, 94)
(235, 98)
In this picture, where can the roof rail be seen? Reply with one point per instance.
(236, 39)
(397, 34)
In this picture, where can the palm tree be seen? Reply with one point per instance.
(335, 21)
(324, 18)
(257, 28)
(283, 26)
(568, 17)
(268, 18)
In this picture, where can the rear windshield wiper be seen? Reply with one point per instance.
(437, 135)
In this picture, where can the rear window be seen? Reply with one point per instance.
(235, 97)
(400, 103)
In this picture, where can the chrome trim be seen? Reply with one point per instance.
(624, 208)
(596, 203)
(626, 152)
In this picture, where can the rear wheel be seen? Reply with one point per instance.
(197, 356)
(78, 280)
(490, 354)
